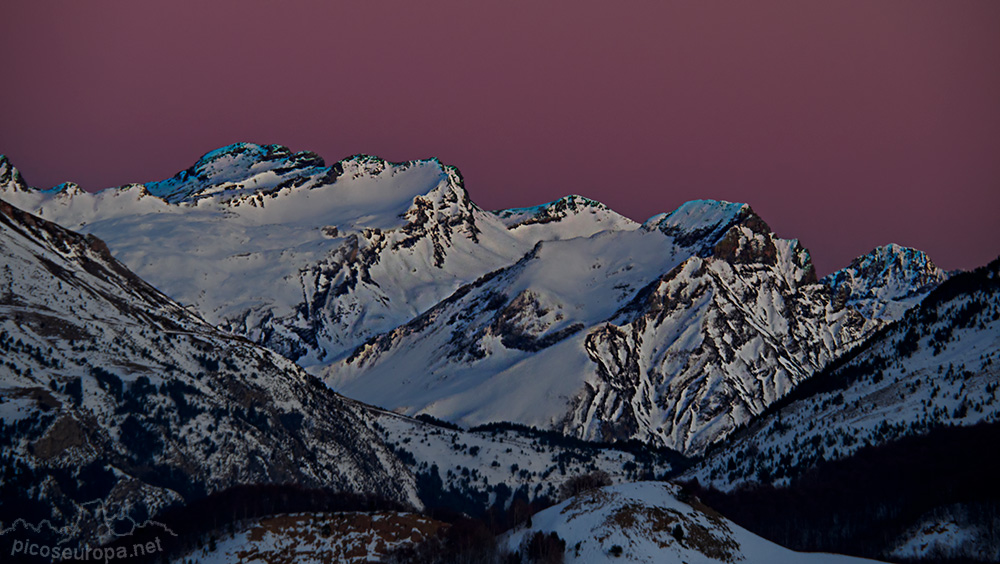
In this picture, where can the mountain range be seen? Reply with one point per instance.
(364, 329)
(389, 283)
(118, 405)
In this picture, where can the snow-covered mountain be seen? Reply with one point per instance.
(10, 178)
(389, 281)
(886, 282)
(116, 402)
(674, 333)
(938, 366)
(570, 216)
(902, 429)
(306, 259)
(648, 522)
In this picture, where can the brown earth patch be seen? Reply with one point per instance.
(44, 397)
(336, 537)
(50, 326)
(63, 434)
(676, 527)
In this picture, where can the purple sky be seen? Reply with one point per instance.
(847, 124)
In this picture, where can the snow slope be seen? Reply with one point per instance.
(306, 259)
(654, 523)
(116, 402)
(949, 533)
(674, 333)
(492, 465)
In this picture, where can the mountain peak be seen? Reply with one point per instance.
(733, 233)
(566, 218)
(10, 177)
(250, 151)
(889, 263)
(888, 273)
(894, 255)
(705, 222)
(551, 211)
(364, 165)
(66, 188)
(232, 166)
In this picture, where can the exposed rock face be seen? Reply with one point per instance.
(712, 343)
(348, 291)
(911, 410)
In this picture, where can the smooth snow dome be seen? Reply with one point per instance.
(646, 522)
(576, 215)
(698, 214)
